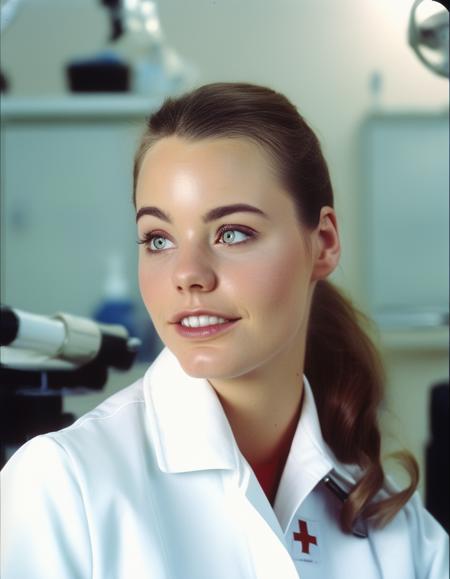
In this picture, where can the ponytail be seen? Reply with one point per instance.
(347, 376)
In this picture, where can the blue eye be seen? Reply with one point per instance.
(154, 242)
(159, 243)
(233, 235)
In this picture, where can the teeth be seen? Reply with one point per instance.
(200, 321)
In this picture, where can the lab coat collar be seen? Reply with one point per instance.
(310, 459)
(190, 428)
(308, 462)
(191, 432)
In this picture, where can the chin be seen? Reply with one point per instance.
(199, 367)
(203, 364)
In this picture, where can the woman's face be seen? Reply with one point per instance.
(250, 265)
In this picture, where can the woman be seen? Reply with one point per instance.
(250, 448)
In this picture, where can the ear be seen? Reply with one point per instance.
(326, 244)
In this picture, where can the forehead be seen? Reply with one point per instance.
(212, 166)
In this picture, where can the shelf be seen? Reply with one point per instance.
(79, 106)
(426, 340)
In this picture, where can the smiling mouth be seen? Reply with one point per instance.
(204, 321)
(205, 331)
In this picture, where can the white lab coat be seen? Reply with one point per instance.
(151, 484)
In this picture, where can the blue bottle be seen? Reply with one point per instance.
(117, 306)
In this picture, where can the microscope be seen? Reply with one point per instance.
(44, 358)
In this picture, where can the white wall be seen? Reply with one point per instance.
(320, 53)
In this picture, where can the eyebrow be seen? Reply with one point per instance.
(212, 215)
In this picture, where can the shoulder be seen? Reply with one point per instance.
(414, 537)
(422, 526)
(56, 484)
(416, 531)
(97, 440)
(127, 399)
(116, 417)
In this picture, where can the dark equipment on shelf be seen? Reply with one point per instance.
(437, 453)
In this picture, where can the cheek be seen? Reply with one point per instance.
(142, 277)
(149, 286)
(275, 280)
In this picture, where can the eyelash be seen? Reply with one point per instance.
(154, 234)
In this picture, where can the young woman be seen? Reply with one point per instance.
(250, 448)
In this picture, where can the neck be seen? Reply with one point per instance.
(263, 406)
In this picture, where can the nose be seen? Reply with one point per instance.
(194, 272)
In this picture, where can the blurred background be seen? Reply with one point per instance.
(80, 76)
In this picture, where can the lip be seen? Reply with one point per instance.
(186, 313)
(205, 332)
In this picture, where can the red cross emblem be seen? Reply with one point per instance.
(304, 537)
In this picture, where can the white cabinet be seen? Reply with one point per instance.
(66, 190)
(405, 219)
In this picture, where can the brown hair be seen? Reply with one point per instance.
(348, 388)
